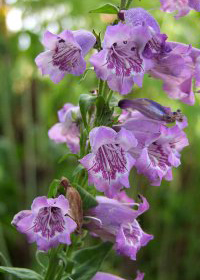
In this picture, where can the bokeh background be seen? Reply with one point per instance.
(29, 160)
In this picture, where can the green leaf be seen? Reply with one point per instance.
(85, 74)
(106, 9)
(85, 102)
(77, 170)
(3, 259)
(88, 200)
(89, 260)
(104, 113)
(53, 188)
(64, 157)
(22, 273)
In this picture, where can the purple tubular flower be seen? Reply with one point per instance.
(67, 130)
(65, 53)
(181, 6)
(109, 163)
(176, 64)
(156, 43)
(194, 62)
(121, 62)
(176, 69)
(151, 109)
(116, 222)
(158, 148)
(46, 223)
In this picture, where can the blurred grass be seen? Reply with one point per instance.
(29, 160)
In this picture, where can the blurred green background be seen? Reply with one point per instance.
(29, 160)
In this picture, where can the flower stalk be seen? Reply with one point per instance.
(123, 4)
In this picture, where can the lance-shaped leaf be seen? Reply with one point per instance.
(88, 261)
(53, 188)
(22, 273)
(104, 113)
(106, 9)
(87, 199)
(64, 157)
(85, 102)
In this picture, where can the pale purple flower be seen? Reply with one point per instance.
(108, 276)
(121, 62)
(116, 222)
(67, 129)
(158, 148)
(194, 62)
(182, 7)
(109, 163)
(176, 70)
(65, 53)
(156, 43)
(46, 223)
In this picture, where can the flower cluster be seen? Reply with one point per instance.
(146, 135)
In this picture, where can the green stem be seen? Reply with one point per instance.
(128, 4)
(109, 95)
(104, 89)
(100, 87)
(123, 5)
(60, 271)
(53, 263)
(83, 140)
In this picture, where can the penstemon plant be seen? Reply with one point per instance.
(107, 144)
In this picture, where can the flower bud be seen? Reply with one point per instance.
(75, 202)
(121, 15)
(152, 109)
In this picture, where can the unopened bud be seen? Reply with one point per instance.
(121, 15)
(75, 202)
(152, 109)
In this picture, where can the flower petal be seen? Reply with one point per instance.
(85, 39)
